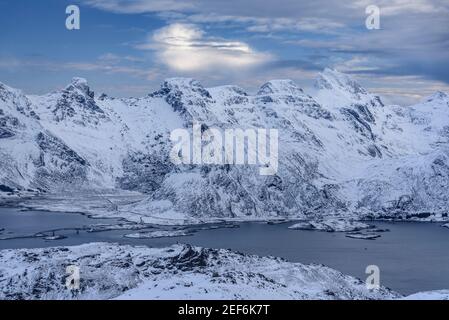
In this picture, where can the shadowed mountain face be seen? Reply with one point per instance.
(341, 152)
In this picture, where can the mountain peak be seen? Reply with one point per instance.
(186, 86)
(81, 85)
(3, 86)
(332, 79)
(79, 81)
(280, 86)
(7, 92)
(77, 101)
(181, 82)
(336, 89)
(8, 89)
(437, 96)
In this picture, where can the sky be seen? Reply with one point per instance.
(128, 47)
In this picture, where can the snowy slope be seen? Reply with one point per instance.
(341, 151)
(429, 295)
(109, 271)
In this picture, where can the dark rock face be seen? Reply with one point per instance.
(191, 258)
(144, 172)
(54, 146)
(4, 188)
(361, 120)
(365, 113)
(359, 124)
(5, 133)
(58, 164)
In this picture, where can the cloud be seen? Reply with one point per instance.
(305, 36)
(398, 7)
(111, 58)
(186, 48)
(260, 24)
(139, 6)
(107, 63)
(292, 25)
(108, 69)
(402, 90)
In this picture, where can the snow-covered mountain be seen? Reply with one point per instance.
(341, 152)
(30, 155)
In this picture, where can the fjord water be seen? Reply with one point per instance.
(412, 257)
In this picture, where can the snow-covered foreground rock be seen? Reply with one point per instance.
(429, 295)
(342, 153)
(109, 271)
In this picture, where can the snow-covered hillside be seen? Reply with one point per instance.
(112, 271)
(109, 271)
(342, 151)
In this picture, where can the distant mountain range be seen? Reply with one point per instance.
(342, 151)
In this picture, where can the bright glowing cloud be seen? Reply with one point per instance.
(185, 48)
